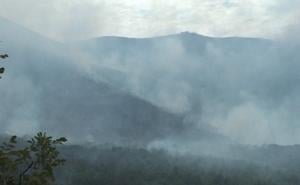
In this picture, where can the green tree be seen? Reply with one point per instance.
(2, 69)
(32, 163)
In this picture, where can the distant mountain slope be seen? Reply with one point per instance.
(44, 89)
(13, 34)
(193, 43)
(246, 88)
(96, 112)
(243, 88)
(180, 62)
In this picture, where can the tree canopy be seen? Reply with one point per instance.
(30, 163)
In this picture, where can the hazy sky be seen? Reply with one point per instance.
(79, 19)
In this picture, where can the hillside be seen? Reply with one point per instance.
(245, 88)
(209, 89)
(44, 89)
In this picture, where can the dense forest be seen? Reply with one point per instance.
(121, 165)
(112, 165)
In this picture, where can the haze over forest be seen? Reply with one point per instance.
(176, 83)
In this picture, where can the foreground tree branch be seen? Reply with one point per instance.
(36, 161)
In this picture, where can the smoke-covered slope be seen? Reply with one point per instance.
(44, 89)
(175, 71)
(246, 88)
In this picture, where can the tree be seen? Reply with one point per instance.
(32, 164)
(2, 69)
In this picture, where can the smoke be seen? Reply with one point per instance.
(245, 89)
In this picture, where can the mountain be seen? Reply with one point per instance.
(45, 88)
(245, 88)
(178, 66)
(194, 41)
(181, 87)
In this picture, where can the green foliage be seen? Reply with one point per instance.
(2, 69)
(32, 164)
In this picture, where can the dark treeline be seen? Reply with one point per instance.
(137, 166)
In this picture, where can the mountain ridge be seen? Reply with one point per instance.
(56, 94)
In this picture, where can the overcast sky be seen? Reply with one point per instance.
(81, 19)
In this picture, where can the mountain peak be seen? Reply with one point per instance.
(189, 33)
